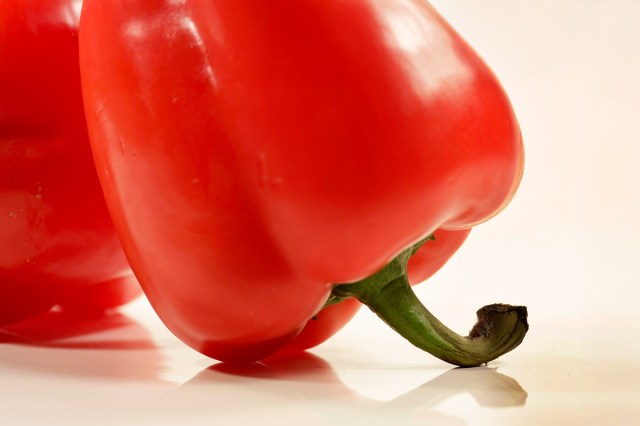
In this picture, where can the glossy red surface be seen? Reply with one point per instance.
(254, 153)
(57, 242)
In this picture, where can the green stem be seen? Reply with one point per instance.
(500, 328)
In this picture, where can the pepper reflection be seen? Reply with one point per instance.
(82, 343)
(306, 385)
(488, 387)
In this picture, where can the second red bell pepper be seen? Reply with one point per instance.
(57, 242)
(262, 160)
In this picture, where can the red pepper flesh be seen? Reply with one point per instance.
(255, 154)
(57, 242)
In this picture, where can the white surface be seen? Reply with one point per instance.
(567, 247)
(136, 373)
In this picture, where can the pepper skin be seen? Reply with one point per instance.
(256, 156)
(57, 242)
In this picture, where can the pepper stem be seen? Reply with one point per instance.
(500, 328)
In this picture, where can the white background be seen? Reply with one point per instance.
(568, 247)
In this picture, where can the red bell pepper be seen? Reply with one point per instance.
(262, 160)
(57, 242)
